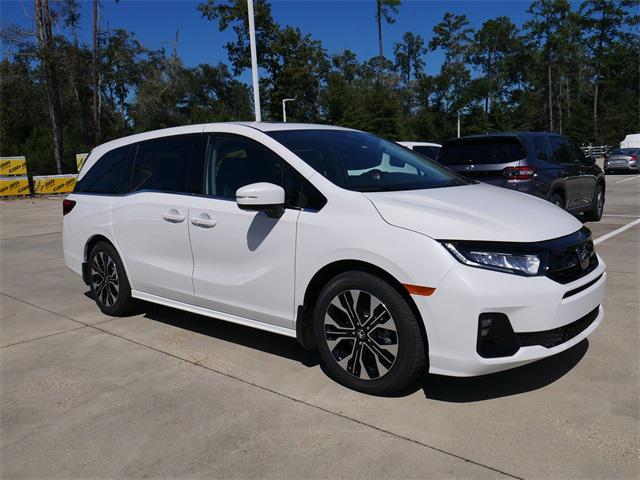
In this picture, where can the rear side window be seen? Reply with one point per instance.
(429, 152)
(563, 151)
(540, 146)
(163, 164)
(482, 151)
(110, 174)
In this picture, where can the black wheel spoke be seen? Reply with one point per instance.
(104, 279)
(361, 334)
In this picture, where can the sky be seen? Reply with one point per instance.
(339, 24)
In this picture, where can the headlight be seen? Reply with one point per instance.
(510, 262)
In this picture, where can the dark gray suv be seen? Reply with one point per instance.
(546, 165)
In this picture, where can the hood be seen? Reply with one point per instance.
(474, 212)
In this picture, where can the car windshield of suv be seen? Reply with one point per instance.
(482, 151)
(624, 151)
(363, 162)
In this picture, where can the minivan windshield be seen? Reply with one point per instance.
(363, 162)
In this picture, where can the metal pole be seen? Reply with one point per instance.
(458, 123)
(254, 62)
(284, 108)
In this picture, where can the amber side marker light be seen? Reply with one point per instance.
(418, 290)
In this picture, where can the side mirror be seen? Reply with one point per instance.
(261, 197)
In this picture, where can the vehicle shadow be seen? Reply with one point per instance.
(502, 384)
(435, 387)
(263, 341)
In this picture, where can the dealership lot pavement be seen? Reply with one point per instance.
(170, 394)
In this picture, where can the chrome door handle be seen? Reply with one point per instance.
(173, 216)
(203, 221)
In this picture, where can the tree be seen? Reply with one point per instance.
(47, 55)
(493, 45)
(409, 56)
(604, 21)
(545, 29)
(452, 35)
(385, 9)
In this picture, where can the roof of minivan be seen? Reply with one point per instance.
(99, 150)
(262, 126)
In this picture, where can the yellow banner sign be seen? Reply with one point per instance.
(14, 186)
(13, 166)
(48, 184)
(80, 159)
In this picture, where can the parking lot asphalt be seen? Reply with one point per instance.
(169, 394)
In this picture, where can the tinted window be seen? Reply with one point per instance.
(624, 151)
(429, 152)
(163, 164)
(363, 162)
(561, 151)
(110, 174)
(235, 162)
(540, 146)
(482, 151)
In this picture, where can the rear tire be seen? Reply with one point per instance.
(557, 200)
(108, 281)
(594, 214)
(368, 336)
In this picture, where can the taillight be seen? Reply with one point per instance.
(519, 173)
(634, 158)
(67, 206)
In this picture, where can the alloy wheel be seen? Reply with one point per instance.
(104, 279)
(361, 334)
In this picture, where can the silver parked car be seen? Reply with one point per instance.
(622, 159)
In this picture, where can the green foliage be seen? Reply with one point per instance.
(571, 70)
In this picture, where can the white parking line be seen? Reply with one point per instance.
(627, 179)
(625, 216)
(616, 231)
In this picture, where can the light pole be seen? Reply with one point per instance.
(254, 61)
(284, 108)
(458, 123)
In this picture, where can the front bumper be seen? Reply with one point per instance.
(532, 305)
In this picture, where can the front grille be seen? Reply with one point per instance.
(556, 336)
(569, 263)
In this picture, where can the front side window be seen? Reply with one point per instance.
(363, 162)
(162, 164)
(111, 173)
(234, 162)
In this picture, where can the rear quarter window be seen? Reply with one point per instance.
(111, 174)
(482, 151)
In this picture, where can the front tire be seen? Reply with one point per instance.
(368, 335)
(108, 281)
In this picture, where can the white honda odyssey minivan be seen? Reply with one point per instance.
(388, 263)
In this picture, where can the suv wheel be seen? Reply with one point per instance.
(594, 213)
(557, 200)
(108, 280)
(368, 336)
